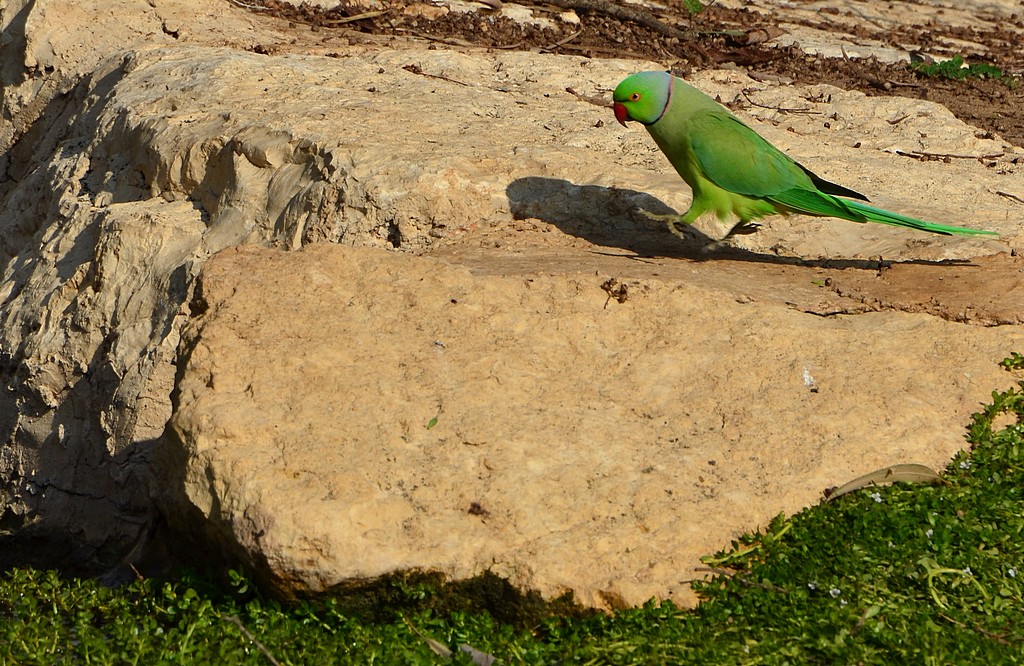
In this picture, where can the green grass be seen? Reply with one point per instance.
(956, 70)
(923, 574)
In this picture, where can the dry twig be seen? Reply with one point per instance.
(561, 42)
(245, 5)
(350, 19)
(1012, 197)
(261, 646)
(622, 12)
(416, 69)
(745, 581)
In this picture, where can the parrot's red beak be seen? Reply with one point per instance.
(621, 114)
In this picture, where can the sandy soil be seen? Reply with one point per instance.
(799, 41)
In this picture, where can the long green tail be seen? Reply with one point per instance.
(897, 220)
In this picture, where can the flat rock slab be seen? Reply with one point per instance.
(984, 291)
(344, 413)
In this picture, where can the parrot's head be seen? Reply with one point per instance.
(642, 97)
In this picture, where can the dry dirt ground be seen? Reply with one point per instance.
(753, 37)
(718, 36)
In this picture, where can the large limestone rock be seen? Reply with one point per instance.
(346, 413)
(130, 158)
(175, 154)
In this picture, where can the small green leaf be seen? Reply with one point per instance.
(1015, 361)
(431, 423)
(693, 6)
(956, 69)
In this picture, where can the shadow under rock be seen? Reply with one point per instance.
(612, 217)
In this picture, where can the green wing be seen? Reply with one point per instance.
(738, 159)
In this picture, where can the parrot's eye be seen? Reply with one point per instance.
(634, 97)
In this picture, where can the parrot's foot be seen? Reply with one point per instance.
(725, 243)
(659, 218)
(681, 229)
(677, 224)
(742, 229)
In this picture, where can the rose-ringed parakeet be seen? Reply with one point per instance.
(731, 169)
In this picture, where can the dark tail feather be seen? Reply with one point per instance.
(831, 188)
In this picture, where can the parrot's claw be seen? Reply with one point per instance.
(677, 224)
(742, 229)
(680, 228)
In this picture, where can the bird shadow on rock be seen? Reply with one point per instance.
(604, 216)
(613, 217)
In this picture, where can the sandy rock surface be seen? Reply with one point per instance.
(132, 158)
(840, 35)
(527, 425)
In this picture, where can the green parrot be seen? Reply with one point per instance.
(731, 169)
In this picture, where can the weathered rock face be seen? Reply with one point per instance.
(165, 165)
(92, 285)
(130, 159)
(345, 413)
